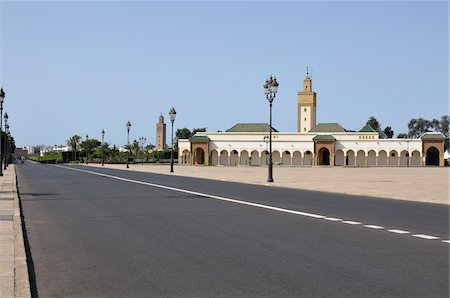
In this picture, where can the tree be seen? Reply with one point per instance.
(196, 130)
(73, 142)
(402, 136)
(389, 132)
(373, 122)
(183, 133)
(418, 127)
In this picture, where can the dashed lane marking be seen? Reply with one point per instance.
(399, 231)
(374, 227)
(307, 214)
(333, 219)
(350, 222)
(423, 236)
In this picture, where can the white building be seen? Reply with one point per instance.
(323, 144)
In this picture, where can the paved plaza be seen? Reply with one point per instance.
(429, 184)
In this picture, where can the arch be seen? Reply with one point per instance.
(199, 156)
(286, 158)
(350, 160)
(255, 158)
(393, 158)
(415, 158)
(276, 158)
(234, 158)
(371, 158)
(324, 157)
(223, 157)
(308, 158)
(360, 158)
(339, 158)
(382, 158)
(214, 157)
(185, 156)
(265, 157)
(404, 156)
(432, 157)
(297, 158)
(244, 157)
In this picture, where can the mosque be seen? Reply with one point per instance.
(322, 144)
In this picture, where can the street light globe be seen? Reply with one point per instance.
(2, 95)
(172, 114)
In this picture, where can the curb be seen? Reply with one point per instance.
(21, 276)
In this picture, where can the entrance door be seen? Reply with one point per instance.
(324, 157)
(432, 157)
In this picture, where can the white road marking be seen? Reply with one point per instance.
(423, 236)
(374, 227)
(333, 219)
(351, 222)
(399, 231)
(307, 214)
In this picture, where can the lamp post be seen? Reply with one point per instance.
(103, 149)
(2, 99)
(142, 140)
(87, 149)
(6, 141)
(7, 148)
(172, 114)
(128, 125)
(270, 89)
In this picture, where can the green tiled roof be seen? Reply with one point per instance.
(327, 127)
(433, 136)
(324, 138)
(367, 128)
(251, 127)
(381, 134)
(199, 138)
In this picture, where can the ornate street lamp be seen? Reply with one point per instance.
(270, 89)
(7, 146)
(172, 114)
(128, 125)
(103, 149)
(87, 149)
(2, 99)
(6, 141)
(142, 140)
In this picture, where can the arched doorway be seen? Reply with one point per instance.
(432, 158)
(199, 156)
(324, 157)
(214, 158)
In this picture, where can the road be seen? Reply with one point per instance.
(103, 232)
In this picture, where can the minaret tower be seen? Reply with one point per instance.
(160, 134)
(306, 106)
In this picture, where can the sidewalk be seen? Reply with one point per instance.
(14, 280)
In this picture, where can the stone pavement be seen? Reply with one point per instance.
(421, 184)
(14, 280)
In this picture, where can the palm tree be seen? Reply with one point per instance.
(73, 142)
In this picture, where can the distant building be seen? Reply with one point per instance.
(160, 134)
(322, 144)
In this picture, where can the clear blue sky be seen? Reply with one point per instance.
(79, 67)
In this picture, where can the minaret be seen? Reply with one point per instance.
(160, 134)
(306, 106)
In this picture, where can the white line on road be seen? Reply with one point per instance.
(307, 214)
(423, 236)
(399, 231)
(373, 227)
(333, 219)
(350, 222)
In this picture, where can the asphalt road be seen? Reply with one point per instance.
(92, 235)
